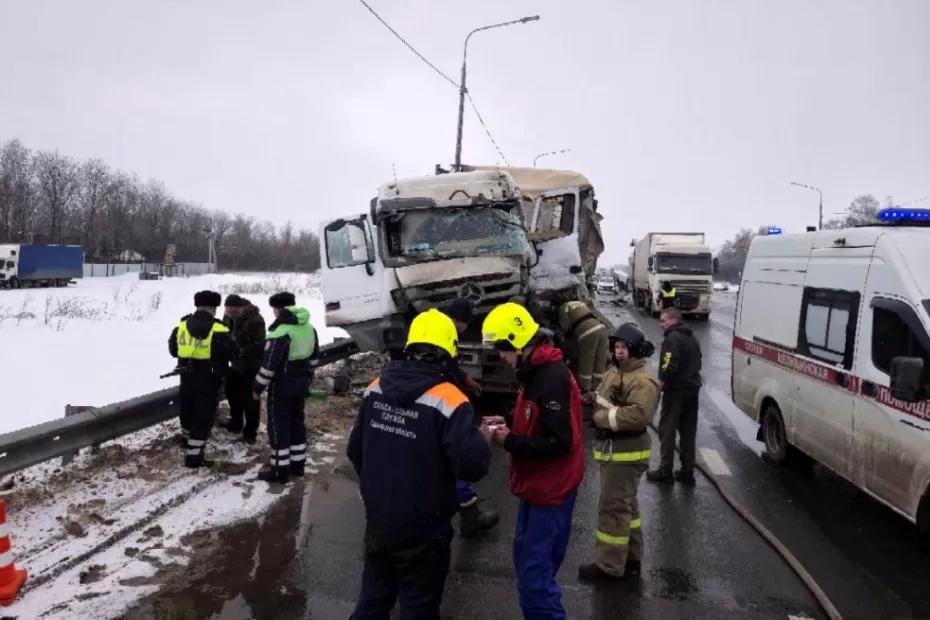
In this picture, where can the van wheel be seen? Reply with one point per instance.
(774, 435)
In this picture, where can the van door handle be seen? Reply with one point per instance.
(869, 389)
(333, 305)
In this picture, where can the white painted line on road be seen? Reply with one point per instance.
(801, 617)
(715, 462)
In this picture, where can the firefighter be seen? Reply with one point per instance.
(204, 349)
(669, 295)
(680, 374)
(290, 344)
(626, 403)
(585, 342)
(413, 438)
(546, 454)
(472, 517)
(247, 328)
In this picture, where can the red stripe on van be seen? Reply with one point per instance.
(831, 376)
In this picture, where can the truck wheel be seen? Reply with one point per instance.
(774, 435)
(15, 283)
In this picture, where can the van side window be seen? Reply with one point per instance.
(348, 244)
(892, 337)
(828, 321)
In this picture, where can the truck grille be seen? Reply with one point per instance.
(692, 287)
(485, 291)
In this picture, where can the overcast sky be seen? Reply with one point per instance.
(685, 115)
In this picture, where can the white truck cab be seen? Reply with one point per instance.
(681, 259)
(831, 353)
(426, 242)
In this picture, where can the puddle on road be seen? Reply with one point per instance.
(745, 427)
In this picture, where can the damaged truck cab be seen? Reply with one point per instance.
(426, 242)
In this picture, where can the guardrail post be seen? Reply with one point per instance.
(71, 410)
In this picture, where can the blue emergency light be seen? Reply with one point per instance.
(773, 230)
(899, 214)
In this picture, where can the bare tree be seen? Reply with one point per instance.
(16, 191)
(57, 184)
(862, 210)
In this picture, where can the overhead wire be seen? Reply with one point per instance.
(441, 74)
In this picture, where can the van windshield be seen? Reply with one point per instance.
(435, 234)
(691, 264)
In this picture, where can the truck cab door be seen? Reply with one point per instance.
(553, 226)
(353, 275)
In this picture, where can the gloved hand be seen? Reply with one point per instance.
(589, 398)
(472, 386)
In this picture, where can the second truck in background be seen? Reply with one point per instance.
(681, 259)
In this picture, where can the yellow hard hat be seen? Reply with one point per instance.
(509, 324)
(435, 328)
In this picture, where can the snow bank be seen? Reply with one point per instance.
(105, 339)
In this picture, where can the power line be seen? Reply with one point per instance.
(441, 74)
(486, 130)
(410, 47)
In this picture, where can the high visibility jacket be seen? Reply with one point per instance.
(192, 348)
(670, 293)
(626, 404)
(290, 343)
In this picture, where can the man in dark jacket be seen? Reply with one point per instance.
(204, 349)
(290, 344)
(413, 438)
(546, 454)
(680, 375)
(247, 328)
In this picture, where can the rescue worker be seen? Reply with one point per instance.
(680, 376)
(247, 328)
(546, 454)
(290, 344)
(204, 349)
(585, 344)
(413, 438)
(472, 517)
(669, 295)
(626, 403)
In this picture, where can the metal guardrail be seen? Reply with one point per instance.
(37, 444)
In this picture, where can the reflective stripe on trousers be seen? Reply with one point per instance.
(622, 457)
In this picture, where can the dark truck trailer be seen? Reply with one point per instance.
(40, 265)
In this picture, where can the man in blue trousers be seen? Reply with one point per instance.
(546, 455)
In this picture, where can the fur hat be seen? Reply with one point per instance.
(282, 300)
(209, 299)
(234, 301)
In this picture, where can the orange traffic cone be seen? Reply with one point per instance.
(11, 578)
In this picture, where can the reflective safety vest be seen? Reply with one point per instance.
(191, 348)
(669, 293)
(303, 340)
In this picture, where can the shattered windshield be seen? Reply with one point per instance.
(449, 233)
(692, 264)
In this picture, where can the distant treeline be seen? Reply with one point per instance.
(47, 197)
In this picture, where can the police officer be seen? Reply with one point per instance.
(680, 374)
(669, 295)
(204, 349)
(626, 403)
(285, 371)
(472, 517)
(546, 454)
(247, 328)
(585, 344)
(413, 438)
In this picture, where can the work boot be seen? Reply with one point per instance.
(472, 519)
(298, 468)
(232, 427)
(196, 461)
(273, 473)
(248, 439)
(659, 476)
(685, 477)
(593, 572)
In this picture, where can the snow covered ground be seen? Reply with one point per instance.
(105, 339)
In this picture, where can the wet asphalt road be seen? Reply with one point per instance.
(303, 559)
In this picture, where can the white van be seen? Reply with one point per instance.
(831, 353)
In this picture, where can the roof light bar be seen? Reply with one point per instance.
(773, 230)
(899, 214)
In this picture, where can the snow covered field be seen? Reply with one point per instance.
(105, 339)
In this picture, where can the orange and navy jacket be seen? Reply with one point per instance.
(413, 438)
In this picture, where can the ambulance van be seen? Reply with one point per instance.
(831, 353)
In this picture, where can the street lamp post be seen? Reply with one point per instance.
(463, 90)
(541, 155)
(816, 189)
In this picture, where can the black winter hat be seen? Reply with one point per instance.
(635, 340)
(209, 299)
(234, 301)
(461, 310)
(282, 300)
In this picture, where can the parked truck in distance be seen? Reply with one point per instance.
(39, 265)
(683, 260)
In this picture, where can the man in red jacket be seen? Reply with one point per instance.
(546, 455)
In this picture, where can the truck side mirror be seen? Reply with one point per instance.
(905, 378)
(716, 265)
(651, 262)
(632, 243)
